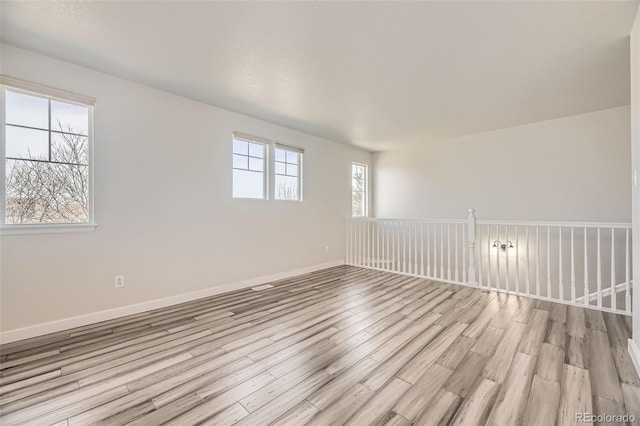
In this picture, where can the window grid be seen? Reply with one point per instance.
(289, 166)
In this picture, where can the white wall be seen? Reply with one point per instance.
(569, 169)
(163, 204)
(635, 160)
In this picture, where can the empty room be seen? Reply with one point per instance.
(319, 213)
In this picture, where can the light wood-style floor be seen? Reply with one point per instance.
(339, 346)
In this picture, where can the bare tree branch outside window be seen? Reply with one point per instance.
(55, 190)
(358, 190)
(287, 192)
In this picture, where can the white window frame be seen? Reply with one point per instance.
(365, 191)
(300, 153)
(245, 137)
(269, 166)
(21, 86)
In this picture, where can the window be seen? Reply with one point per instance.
(288, 172)
(249, 168)
(359, 188)
(47, 150)
(252, 178)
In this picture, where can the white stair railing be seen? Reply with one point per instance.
(585, 264)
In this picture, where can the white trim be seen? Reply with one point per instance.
(289, 148)
(246, 137)
(92, 318)
(38, 228)
(635, 355)
(556, 224)
(46, 91)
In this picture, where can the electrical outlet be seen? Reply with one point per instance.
(119, 281)
(326, 249)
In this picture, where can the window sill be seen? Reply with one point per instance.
(46, 228)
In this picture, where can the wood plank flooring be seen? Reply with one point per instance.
(339, 346)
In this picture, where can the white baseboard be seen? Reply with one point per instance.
(82, 320)
(635, 355)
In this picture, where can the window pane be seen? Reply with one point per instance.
(26, 110)
(286, 188)
(358, 189)
(256, 150)
(240, 162)
(256, 164)
(280, 168)
(358, 205)
(69, 118)
(292, 157)
(67, 148)
(248, 184)
(240, 147)
(38, 192)
(280, 154)
(292, 170)
(26, 143)
(358, 171)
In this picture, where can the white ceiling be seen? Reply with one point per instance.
(375, 74)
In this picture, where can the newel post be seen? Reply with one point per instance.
(471, 240)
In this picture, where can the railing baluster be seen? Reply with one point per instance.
(428, 250)
(528, 277)
(506, 260)
(573, 269)
(356, 249)
(390, 250)
(479, 262)
(448, 252)
(435, 251)
(613, 270)
(347, 231)
(537, 262)
(399, 251)
(360, 244)
(385, 238)
(464, 256)
(549, 262)
(456, 252)
(599, 271)
(627, 274)
(422, 249)
(586, 269)
(498, 259)
(517, 261)
(363, 243)
(368, 244)
(409, 248)
(560, 272)
(404, 247)
(378, 256)
(488, 256)
(441, 251)
(415, 248)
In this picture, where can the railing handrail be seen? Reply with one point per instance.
(558, 224)
(375, 219)
(607, 225)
